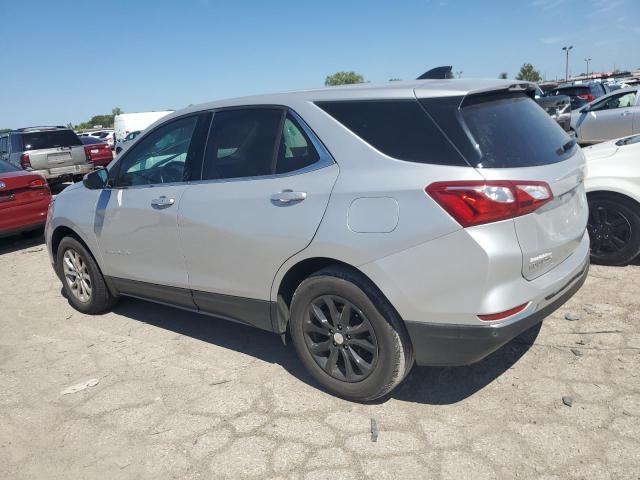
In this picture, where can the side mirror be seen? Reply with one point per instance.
(96, 180)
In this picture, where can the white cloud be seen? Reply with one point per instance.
(547, 5)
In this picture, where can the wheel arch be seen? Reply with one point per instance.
(62, 231)
(295, 275)
(615, 193)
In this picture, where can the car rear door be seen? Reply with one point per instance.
(519, 142)
(137, 220)
(265, 185)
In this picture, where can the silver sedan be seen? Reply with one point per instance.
(614, 115)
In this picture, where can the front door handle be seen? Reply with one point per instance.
(162, 202)
(288, 197)
(624, 114)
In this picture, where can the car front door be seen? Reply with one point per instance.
(137, 219)
(609, 118)
(264, 188)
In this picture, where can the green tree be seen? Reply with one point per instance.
(503, 75)
(395, 79)
(528, 73)
(343, 78)
(116, 111)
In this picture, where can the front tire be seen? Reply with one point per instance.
(614, 229)
(82, 279)
(348, 336)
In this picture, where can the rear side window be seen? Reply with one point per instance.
(398, 128)
(242, 143)
(49, 139)
(513, 131)
(296, 150)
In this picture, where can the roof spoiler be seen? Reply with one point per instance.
(437, 73)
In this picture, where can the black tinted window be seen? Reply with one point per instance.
(4, 144)
(49, 139)
(398, 128)
(571, 91)
(242, 143)
(296, 150)
(90, 140)
(515, 132)
(7, 167)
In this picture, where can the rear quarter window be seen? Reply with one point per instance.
(400, 129)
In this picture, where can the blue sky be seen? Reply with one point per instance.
(65, 61)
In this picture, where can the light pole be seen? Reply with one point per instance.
(566, 71)
(587, 60)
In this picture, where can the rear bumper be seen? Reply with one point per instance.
(22, 218)
(457, 345)
(54, 173)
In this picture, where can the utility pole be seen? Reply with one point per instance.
(566, 68)
(587, 60)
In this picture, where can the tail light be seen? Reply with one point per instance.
(25, 162)
(587, 96)
(38, 183)
(503, 315)
(473, 203)
(87, 152)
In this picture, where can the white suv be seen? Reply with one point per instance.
(429, 221)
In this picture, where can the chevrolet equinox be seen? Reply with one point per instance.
(379, 226)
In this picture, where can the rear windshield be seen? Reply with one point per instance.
(7, 167)
(570, 91)
(398, 128)
(49, 139)
(513, 131)
(90, 140)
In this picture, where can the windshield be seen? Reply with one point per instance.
(513, 131)
(49, 139)
(7, 167)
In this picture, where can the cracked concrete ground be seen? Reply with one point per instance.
(186, 396)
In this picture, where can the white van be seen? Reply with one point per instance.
(125, 123)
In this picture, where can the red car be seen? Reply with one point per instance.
(97, 151)
(24, 200)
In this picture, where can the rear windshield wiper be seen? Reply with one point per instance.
(566, 147)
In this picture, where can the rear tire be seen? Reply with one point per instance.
(348, 336)
(82, 280)
(614, 229)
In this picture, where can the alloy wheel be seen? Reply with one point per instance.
(76, 274)
(340, 338)
(609, 229)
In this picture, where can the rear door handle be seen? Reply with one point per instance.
(624, 114)
(288, 197)
(162, 202)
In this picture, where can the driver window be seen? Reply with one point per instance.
(160, 157)
(618, 101)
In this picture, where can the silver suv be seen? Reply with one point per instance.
(56, 153)
(378, 226)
